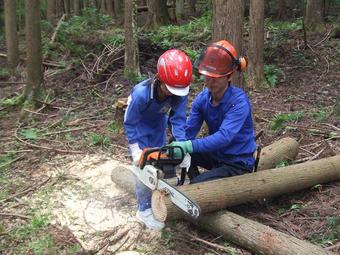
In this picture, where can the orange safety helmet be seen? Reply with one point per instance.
(220, 59)
(174, 68)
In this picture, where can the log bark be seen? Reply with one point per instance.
(222, 193)
(239, 230)
(284, 149)
(255, 236)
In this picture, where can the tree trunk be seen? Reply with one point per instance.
(256, 44)
(11, 33)
(51, 11)
(103, 6)
(179, 10)
(119, 11)
(110, 8)
(67, 6)
(227, 24)
(34, 87)
(256, 237)
(131, 60)
(314, 20)
(213, 195)
(157, 14)
(246, 233)
(76, 7)
(192, 7)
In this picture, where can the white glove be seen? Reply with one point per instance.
(186, 162)
(136, 153)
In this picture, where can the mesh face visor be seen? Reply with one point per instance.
(216, 61)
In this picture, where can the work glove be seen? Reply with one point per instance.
(185, 145)
(186, 162)
(136, 153)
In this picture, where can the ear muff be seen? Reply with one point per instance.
(242, 64)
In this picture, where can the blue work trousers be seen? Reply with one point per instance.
(217, 168)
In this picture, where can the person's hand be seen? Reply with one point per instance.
(185, 145)
(136, 153)
(186, 162)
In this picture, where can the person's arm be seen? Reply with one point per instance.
(194, 121)
(133, 115)
(233, 121)
(178, 119)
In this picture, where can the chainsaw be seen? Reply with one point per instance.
(156, 165)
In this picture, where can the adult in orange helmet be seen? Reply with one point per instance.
(146, 118)
(228, 149)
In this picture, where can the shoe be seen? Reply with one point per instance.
(149, 220)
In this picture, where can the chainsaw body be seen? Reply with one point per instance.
(157, 164)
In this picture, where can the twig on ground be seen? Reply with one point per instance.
(12, 161)
(309, 158)
(38, 113)
(25, 191)
(57, 28)
(14, 215)
(67, 130)
(325, 38)
(43, 147)
(330, 125)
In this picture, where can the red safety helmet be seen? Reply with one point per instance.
(174, 69)
(220, 59)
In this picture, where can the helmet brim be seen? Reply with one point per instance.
(213, 75)
(178, 91)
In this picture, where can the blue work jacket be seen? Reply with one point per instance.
(231, 132)
(146, 118)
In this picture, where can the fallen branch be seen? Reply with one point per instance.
(24, 192)
(57, 28)
(44, 147)
(15, 215)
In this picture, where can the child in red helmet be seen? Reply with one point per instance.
(146, 117)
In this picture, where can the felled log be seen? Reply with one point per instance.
(248, 234)
(283, 149)
(222, 193)
(255, 236)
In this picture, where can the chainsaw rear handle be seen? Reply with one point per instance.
(164, 155)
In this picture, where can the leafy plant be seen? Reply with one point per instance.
(282, 163)
(12, 101)
(29, 134)
(98, 139)
(42, 245)
(196, 30)
(278, 121)
(272, 73)
(5, 162)
(112, 127)
(320, 114)
(5, 73)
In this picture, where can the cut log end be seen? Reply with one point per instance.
(159, 207)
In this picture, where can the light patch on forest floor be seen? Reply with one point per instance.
(89, 204)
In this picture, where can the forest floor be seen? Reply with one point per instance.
(63, 157)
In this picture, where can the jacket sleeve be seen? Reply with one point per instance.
(195, 120)
(178, 119)
(132, 116)
(233, 121)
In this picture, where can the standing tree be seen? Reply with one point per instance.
(51, 11)
(157, 13)
(110, 8)
(76, 7)
(67, 6)
(192, 7)
(119, 10)
(256, 44)
(179, 10)
(34, 85)
(314, 20)
(11, 33)
(227, 24)
(131, 60)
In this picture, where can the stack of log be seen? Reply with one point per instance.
(220, 194)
